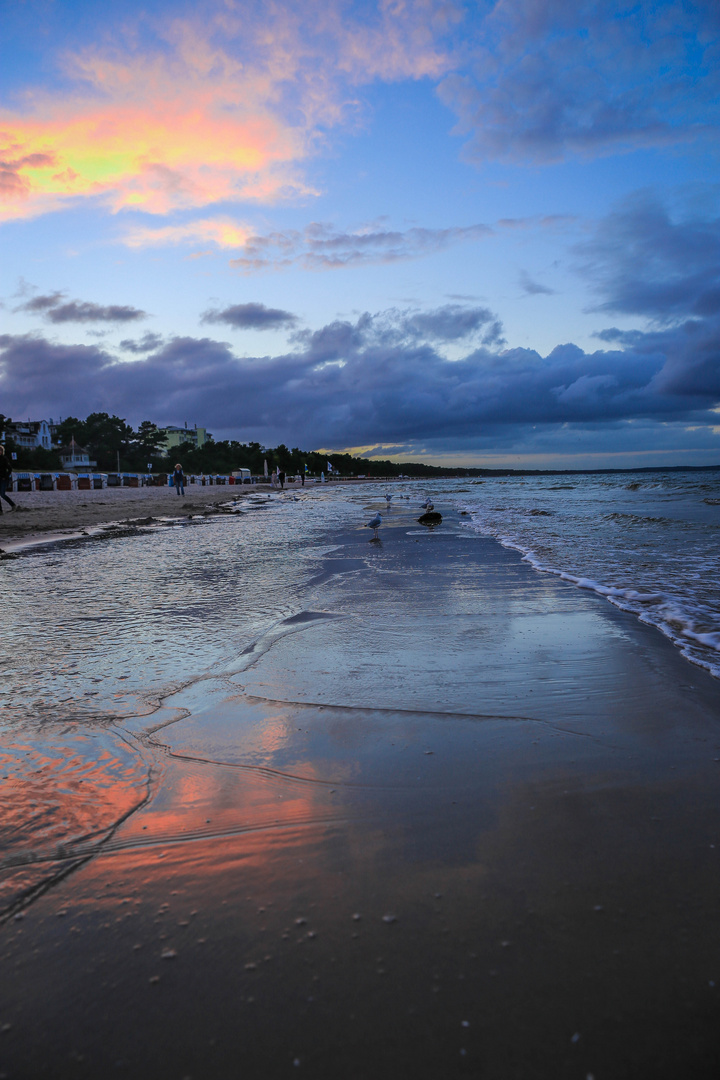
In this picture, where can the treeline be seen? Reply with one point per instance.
(108, 439)
(223, 457)
(113, 444)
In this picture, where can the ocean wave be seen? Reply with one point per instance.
(639, 519)
(673, 588)
(528, 511)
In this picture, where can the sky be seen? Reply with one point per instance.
(479, 233)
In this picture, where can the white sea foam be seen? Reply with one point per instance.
(649, 545)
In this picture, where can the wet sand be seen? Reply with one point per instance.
(454, 818)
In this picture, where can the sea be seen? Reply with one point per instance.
(99, 632)
(648, 542)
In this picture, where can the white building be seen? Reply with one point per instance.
(75, 458)
(30, 433)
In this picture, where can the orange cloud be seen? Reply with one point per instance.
(157, 138)
(192, 122)
(220, 232)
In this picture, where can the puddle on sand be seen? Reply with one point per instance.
(61, 797)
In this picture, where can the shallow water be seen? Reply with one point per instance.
(97, 633)
(278, 796)
(650, 543)
(109, 639)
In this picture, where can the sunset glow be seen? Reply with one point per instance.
(510, 211)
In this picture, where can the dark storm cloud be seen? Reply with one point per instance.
(451, 323)
(251, 316)
(57, 310)
(552, 79)
(379, 379)
(43, 374)
(643, 261)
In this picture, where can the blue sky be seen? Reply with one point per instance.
(463, 233)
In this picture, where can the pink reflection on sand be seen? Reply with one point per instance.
(201, 799)
(58, 801)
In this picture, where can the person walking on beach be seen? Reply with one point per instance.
(281, 478)
(5, 478)
(179, 479)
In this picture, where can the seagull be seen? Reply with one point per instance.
(428, 505)
(375, 524)
(388, 496)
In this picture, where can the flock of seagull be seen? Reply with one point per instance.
(430, 517)
(428, 506)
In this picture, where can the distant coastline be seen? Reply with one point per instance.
(439, 472)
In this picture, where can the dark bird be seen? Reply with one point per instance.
(430, 517)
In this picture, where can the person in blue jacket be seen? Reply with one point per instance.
(179, 479)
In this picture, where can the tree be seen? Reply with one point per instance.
(71, 428)
(107, 437)
(148, 442)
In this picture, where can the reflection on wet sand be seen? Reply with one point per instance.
(464, 824)
(61, 799)
(368, 948)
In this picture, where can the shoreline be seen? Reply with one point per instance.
(44, 516)
(450, 817)
(67, 513)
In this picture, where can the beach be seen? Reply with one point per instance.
(65, 512)
(281, 801)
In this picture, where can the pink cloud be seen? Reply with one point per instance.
(222, 110)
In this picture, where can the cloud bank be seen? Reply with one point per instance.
(545, 80)
(379, 379)
(394, 376)
(644, 261)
